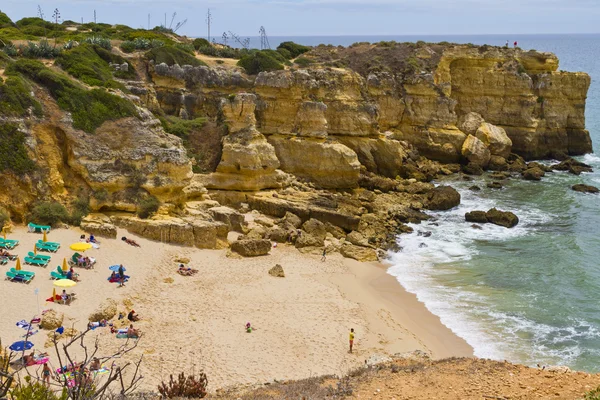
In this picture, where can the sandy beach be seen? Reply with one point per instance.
(191, 323)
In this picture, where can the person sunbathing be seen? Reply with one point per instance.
(132, 316)
(93, 239)
(29, 359)
(130, 242)
(186, 271)
(132, 333)
(81, 261)
(4, 253)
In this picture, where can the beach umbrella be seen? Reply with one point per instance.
(53, 293)
(64, 283)
(80, 246)
(64, 266)
(34, 249)
(21, 346)
(116, 268)
(45, 239)
(18, 267)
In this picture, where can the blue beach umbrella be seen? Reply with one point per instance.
(21, 346)
(116, 268)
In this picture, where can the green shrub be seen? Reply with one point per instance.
(303, 61)
(295, 49)
(43, 49)
(285, 53)
(188, 48)
(49, 213)
(128, 46)
(200, 42)
(16, 100)
(275, 55)
(5, 21)
(99, 41)
(171, 55)
(13, 154)
(80, 208)
(147, 206)
(259, 62)
(181, 127)
(100, 195)
(89, 108)
(141, 43)
(593, 394)
(36, 391)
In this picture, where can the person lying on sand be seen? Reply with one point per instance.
(130, 242)
(132, 316)
(4, 253)
(29, 359)
(132, 333)
(186, 271)
(93, 239)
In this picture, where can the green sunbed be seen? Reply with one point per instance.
(37, 228)
(8, 246)
(9, 241)
(22, 272)
(46, 247)
(55, 244)
(39, 256)
(36, 261)
(12, 276)
(3, 260)
(57, 275)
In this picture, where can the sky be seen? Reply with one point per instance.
(332, 17)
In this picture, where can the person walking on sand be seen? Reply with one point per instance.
(324, 255)
(351, 339)
(46, 374)
(121, 276)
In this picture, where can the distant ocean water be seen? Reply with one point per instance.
(529, 294)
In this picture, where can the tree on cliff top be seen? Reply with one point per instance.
(259, 62)
(295, 49)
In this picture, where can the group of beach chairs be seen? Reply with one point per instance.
(8, 244)
(51, 247)
(21, 276)
(38, 260)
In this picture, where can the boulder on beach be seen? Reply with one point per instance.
(107, 310)
(277, 271)
(502, 218)
(358, 253)
(442, 198)
(585, 188)
(251, 247)
(51, 320)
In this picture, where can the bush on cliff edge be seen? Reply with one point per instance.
(13, 154)
(259, 62)
(147, 207)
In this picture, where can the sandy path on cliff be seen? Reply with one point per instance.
(192, 323)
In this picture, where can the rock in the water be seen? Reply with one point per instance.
(585, 188)
(502, 218)
(476, 216)
(442, 198)
(475, 151)
(475, 188)
(475, 226)
(470, 123)
(494, 185)
(573, 166)
(516, 163)
(533, 174)
(472, 169)
(535, 164)
(251, 247)
(107, 310)
(495, 139)
(499, 175)
(277, 271)
(358, 253)
(497, 163)
(51, 320)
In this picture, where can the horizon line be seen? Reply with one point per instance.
(421, 34)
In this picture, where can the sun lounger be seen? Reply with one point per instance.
(22, 272)
(55, 244)
(3, 260)
(31, 227)
(46, 247)
(36, 261)
(13, 243)
(7, 246)
(55, 275)
(73, 261)
(31, 254)
(11, 276)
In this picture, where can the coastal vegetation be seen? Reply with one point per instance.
(16, 99)
(171, 55)
(13, 153)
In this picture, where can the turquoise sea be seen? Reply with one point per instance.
(529, 294)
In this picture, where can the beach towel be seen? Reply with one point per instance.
(123, 330)
(124, 336)
(31, 333)
(23, 324)
(41, 361)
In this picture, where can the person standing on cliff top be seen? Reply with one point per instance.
(516, 44)
(351, 339)
(506, 45)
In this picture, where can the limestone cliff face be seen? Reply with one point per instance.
(540, 109)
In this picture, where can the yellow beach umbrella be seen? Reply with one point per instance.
(45, 237)
(64, 283)
(64, 266)
(80, 246)
(18, 267)
(34, 249)
(53, 293)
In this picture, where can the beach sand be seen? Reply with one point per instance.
(197, 323)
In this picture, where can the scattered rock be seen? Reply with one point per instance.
(502, 218)
(277, 271)
(308, 240)
(233, 219)
(358, 239)
(251, 247)
(279, 235)
(358, 253)
(472, 169)
(264, 221)
(585, 188)
(573, 166)
(107, 310)
(516, 163)
(474, 226)
(533, 174)
(315, 227)
(495, 139)
(497, 163)
(475, 151)
(442, 198)
(500, 175)
(98, 225)
(51, 320)
(292, 219)
(535, 164)
(181, 260)
(476, 216)
(470, 123)
(475, 188)
(494, 185)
